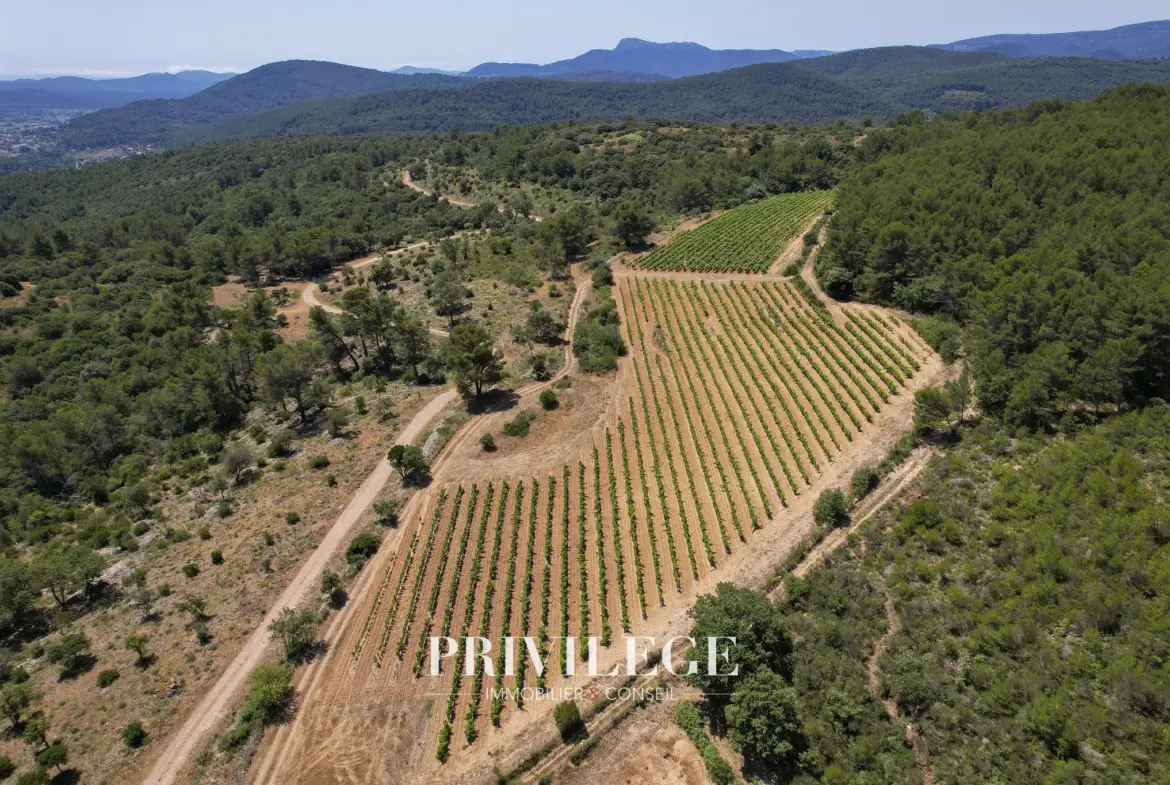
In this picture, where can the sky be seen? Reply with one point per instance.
(125, 37)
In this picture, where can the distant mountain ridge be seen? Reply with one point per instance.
(634, 55)
(270, 86)
(1129, 42)
(75, 92)
(878, 83)
(410, 70)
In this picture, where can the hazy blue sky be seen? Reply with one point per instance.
(122, 37)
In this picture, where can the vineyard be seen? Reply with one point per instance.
(746, 240)
(735, 397)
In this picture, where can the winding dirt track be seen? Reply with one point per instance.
(310, 292)
(410, 183)
(222, 697)
(894, 622)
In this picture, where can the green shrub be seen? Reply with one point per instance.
(190, 569)
(318, 462)
(519, 426)
(107, 677)
(216, 557)
(7, 767)
(487, 442)
(362, 547)
(281, 444)
(568, 719)
(864, 480)
(548, 400)
(134, 735)
(387, 512)
(292, 518)
(830, 509)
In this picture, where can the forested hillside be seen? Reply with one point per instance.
(878, 83)
(757, 93)
(1042, 231)
(1147, 39)
(107, 359)
(1031, 592)
(267, 87)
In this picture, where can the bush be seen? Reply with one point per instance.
(387, 512)
(830, 509)
(487, 442)
(7, 767)
(864, 480)
(409, 461)
(292, 518)
(568, 719)
(134, 736)
(72, 652)
(318, 462)
(107, 677)
(548, 400)
(519, 426)
(271, 688)
(216, 558)
(35, 777)
(281, 444)
(361, 548)
(190, 569)
(297, 631)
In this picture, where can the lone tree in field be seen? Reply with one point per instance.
(137, 643)
(236, 460)
(408, 461)
(472, 359)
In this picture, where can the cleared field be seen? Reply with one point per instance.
(746, 240)
(734, 398)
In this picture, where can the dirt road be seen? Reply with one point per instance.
(310, 292)
(285, 742)
(409, 183)
(223, 697)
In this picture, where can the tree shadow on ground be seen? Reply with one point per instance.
(493, 401)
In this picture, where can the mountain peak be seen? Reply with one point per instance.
(641, 43)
